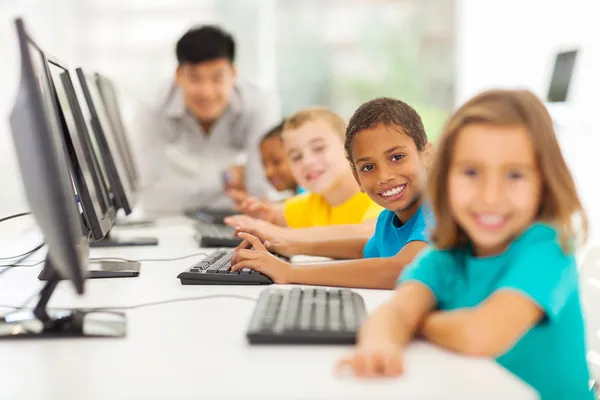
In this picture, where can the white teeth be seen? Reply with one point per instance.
(394, 191)
(488, 219)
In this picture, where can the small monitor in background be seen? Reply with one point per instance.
(44, 165)
(108, 94)
(562, 75)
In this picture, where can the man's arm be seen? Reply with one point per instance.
(371, 273)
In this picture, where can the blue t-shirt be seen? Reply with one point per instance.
(551, 356)
(300, 190)
(391, 235)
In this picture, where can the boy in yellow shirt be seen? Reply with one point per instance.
(313, 139)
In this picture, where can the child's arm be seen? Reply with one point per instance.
(388, 330)
(335, 241)
(489, 329)
(374, 273)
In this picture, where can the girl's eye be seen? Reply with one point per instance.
(472, 172)
(513, 175)
(296, 157)
(318, 149)
(397, 157)
(367, 168)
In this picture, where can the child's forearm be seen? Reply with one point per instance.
(277, 214)
(373, 273)
(347, 248)
(457, 330)
(399, 319)
(335, 241)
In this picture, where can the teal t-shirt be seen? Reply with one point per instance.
(551, 357)
(391, 235)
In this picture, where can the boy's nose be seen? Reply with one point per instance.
(385, 176)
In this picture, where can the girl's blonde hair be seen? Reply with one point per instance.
(559, 200)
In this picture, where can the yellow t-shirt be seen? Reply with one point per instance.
(311, 209)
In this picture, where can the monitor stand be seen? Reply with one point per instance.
(102, 269)
(44, 323)
(111, 241)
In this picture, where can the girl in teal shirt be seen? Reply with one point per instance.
(501, 279)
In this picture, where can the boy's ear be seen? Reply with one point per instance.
(356, 178)
(428, 153)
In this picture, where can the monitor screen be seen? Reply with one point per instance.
(121, 185)
(43, 162)
(90, 188)
(562, 76)
(109, 98)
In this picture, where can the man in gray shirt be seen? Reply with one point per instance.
(202, 131)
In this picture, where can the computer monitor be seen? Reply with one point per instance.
(121, 185)
(43, 162)
(98, 212)
(108, 152)
(562, 74)
(108, 95)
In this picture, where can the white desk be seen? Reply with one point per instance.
(197, 349)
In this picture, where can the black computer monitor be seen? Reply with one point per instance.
(43, 161)
(562, 74)
(98, 211)
(122, 186)
(108, 95)
(108, 152)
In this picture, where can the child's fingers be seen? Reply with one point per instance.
(254, 241)
(392, 365)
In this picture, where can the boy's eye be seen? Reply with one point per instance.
(367, 167)
(397, 157)
(318, 149)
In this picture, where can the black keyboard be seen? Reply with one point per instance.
(214, 235)
(215, 216)
(306, 316)
(216, 270)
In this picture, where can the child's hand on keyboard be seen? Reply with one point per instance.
(373, 357)
(259, 259)
(256, 209)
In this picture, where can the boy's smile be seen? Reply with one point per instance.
(389, 168)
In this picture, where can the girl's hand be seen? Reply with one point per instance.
(373, 358)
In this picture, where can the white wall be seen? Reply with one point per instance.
(512, 43)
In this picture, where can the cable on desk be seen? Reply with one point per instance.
(136, 306)
(23, 257)
(148, 259)
(14, 216)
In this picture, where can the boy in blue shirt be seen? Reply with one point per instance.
(388, 149)
(501, 280)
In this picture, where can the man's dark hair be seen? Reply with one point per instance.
(205, 43)
(392, 113)
(273, 132)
